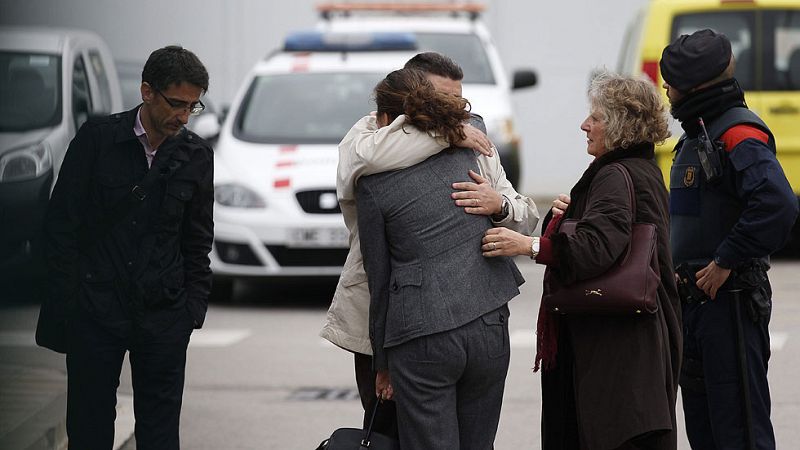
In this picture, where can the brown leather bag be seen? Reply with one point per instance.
(630, 286)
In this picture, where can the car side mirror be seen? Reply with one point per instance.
(206, 125)
(524, 78)
(223, 113)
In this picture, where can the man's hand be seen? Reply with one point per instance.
(504, 242)
(560, 204)
(479, 197)
(476, 140)
(711, 277)
(383, 385)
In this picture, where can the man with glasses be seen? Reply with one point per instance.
(128, 232)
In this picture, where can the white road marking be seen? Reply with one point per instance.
(212, 338)
(527, 339)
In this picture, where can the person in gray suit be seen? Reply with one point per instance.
(438, 319)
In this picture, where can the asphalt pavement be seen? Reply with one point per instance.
(259, 377)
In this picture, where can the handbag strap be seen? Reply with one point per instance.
(365, 442)
(631, 195)
(629, 184)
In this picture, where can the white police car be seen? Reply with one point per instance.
(276, 211)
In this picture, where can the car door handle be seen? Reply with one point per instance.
(784, 109)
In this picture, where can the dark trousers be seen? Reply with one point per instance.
(449, 386)
(710, 376)
(559, 413)
(386, 416)
(94, 363)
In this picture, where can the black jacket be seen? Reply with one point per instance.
(144, 265)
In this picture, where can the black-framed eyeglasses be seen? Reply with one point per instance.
(193, 108)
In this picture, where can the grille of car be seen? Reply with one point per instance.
(319, 202)
(308, 257)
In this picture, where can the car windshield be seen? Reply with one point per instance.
(465, 49)
(30, 91)
(304, 108)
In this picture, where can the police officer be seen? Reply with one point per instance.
(128, 232)
(730, 207)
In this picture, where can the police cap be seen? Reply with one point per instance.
(693, 59)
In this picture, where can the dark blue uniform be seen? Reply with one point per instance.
(737, 219)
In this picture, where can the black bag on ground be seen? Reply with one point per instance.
(357, 439)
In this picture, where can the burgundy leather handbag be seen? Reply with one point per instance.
(628, 287)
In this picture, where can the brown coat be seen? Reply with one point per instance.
(623, 370)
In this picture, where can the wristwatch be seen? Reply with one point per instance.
(534, 247)
(504, 210)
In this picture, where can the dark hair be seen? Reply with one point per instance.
(436, 64)
(407, 91)
(174, 64)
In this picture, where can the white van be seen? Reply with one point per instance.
(51, 81)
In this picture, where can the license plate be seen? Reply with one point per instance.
(318, 237)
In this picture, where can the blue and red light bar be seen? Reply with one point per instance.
(316, 41)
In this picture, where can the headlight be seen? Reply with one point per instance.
(25, 163)
(238, 196)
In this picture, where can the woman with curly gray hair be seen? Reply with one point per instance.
(608, 382)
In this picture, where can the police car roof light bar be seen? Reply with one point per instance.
(326, 10)
(316, 41)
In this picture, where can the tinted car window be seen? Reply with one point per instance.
(465, 49)
(782, 50)
(738, 26)
(30, 91)
(81, 96)
(101, 76)
(304, 108)
(777, 47)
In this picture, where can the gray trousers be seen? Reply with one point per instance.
(449, 386)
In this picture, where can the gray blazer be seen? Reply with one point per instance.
(422, 253)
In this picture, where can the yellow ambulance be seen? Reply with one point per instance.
(765, 38)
